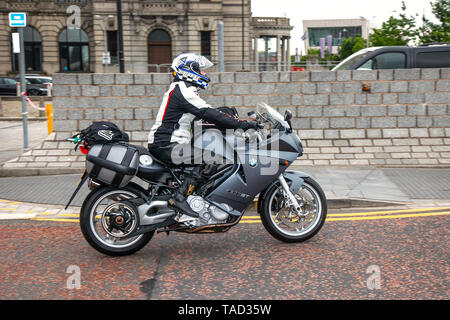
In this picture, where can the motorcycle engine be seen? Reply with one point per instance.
(208, 214)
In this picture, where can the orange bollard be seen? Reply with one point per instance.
(49, 112)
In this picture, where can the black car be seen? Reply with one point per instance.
(8, 87)
(398, 57)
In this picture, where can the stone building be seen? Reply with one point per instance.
(70, 35)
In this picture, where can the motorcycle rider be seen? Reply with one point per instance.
(180, 106)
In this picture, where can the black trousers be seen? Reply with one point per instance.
(177, 154)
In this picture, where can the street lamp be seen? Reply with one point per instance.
(105, 37)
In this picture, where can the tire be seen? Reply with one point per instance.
(276, 231)
(33, 92)
(94, 238)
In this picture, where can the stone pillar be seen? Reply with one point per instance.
(266, 53)
(278, 53)
(288, 53)
(256, 54)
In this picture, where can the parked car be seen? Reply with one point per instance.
(398, 57)
(8, 87)
(37, 79)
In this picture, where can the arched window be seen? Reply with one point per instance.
(159, 51)
(33, 50)
(73, 50)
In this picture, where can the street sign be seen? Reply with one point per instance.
(16, 42)
(17, 19)
(106, 58)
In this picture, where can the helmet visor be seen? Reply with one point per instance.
(203, 62)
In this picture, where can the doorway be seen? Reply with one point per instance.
(159, 51)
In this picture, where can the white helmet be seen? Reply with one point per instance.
(189, 66)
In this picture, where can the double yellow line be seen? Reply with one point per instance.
(374, 215)
(353, 216)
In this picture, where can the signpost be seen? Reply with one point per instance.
(106, 59)
(19, 20)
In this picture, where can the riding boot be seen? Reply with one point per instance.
(179, 201)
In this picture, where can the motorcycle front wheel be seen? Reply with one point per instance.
(105, 221)
(283, 223)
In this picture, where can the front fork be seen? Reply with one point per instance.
(291, 199)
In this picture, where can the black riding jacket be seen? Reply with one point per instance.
(180, 106)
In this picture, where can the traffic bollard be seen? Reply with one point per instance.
(49, 111)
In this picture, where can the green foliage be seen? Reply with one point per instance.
(432, 32)
(351, 45)
(395, 31)
(404, 30)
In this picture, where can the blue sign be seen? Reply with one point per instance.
(17, 19)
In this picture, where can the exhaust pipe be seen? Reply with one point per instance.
(155, 218)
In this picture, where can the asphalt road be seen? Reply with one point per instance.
(406, 250)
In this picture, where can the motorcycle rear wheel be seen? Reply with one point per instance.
(92, 222)
(285, 225)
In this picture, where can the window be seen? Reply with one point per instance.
(33, 51)
(206, 44)
(390, 60)
(387, 60)
(433, 59)
(113, 46)
(73, 50)
(314, 34)
(10, 81)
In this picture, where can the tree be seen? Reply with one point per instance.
(351, 45)
(432, 32)
(396, 31)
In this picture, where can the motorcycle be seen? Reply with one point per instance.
(121, 218)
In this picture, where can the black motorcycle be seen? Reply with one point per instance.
(120, 217)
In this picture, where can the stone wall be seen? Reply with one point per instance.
(403, 121)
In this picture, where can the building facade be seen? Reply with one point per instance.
(79, 35)
(337, 28)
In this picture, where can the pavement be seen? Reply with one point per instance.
(46, 196)
(11, 137)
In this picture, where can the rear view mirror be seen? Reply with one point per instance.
(287, 115)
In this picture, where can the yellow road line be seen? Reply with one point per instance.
(351, 216)
(385, 212)
(8, 209)
(57, 220)
(75, 215)
(397, 216)
(15, 202)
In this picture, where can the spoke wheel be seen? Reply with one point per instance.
(105, 222)
(290, 225)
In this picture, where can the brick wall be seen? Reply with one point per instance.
(404, 120)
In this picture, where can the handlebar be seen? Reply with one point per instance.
(73, 140)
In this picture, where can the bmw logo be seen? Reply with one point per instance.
(252, 163)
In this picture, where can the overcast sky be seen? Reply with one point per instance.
(376, 11)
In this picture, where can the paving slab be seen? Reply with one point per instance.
(11, 137)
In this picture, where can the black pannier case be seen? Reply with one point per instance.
(112, 164)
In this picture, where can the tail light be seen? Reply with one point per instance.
(84, 150)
